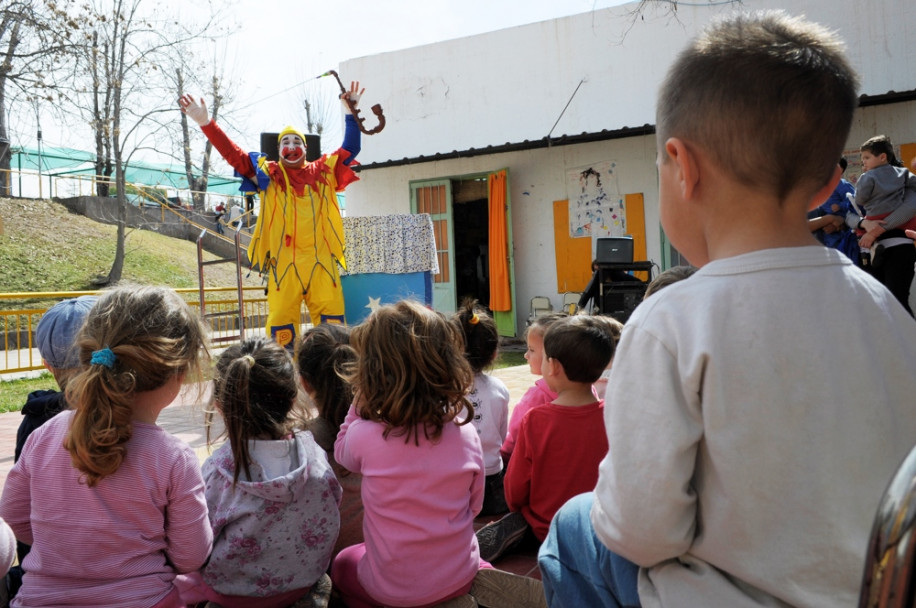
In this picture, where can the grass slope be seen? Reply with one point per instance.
(45, 247)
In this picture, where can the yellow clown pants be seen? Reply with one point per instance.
(324, 300)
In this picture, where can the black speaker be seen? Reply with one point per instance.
(621, 300)
(271, 147)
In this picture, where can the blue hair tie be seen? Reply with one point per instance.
(103, 357)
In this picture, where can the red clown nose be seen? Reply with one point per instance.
(292, 154)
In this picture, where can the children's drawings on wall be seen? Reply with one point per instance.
(596, 207)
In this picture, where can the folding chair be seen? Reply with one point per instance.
(540, 305)
(571, 302)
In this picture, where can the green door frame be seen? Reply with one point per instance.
(443, 291)
(444, 298)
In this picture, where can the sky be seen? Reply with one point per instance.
(313, 37)
(280, 46)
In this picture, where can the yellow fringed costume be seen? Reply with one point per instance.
(298, 239)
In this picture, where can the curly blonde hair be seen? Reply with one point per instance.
(411, 374)
(152, 336)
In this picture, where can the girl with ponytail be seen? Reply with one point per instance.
(112, 504)
(273, 497)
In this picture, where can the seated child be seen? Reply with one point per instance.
(271, 493)
(561, 443)
(112, 505)
(325, 359)
(54, 338)
(489, 397)
(408, 434)
(614, 327)
(540, 393)
(757, 410)
(886, 193)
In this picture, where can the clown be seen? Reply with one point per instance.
(298, 239)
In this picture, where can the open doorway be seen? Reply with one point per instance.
(470, 264)
(470, 215)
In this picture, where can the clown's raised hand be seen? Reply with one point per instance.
(353, 95)
(197, 110)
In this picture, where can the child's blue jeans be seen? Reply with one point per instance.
(577, 569)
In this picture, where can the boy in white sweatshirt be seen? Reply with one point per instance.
(745, 466)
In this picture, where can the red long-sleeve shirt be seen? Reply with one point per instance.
(556, 457)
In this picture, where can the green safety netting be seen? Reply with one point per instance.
(54, 161)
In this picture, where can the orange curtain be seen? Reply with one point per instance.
(500, 294)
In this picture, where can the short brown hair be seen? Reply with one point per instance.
(582, 344)
(881, 144)
(669, 277)
(768, 96)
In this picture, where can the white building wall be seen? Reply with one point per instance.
(897, 121)
(510, 86)
(536, 179)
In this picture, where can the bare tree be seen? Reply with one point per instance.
(11, 25)
(197, 182)
(667, 8)
(35, 36)
(99, 60)
(124, 49)
(322, 109)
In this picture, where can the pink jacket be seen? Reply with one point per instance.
(537, 395)
(420, 503)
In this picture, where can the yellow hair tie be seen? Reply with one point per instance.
(249, 359)
(474, 320)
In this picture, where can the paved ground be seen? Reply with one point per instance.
(185, 417)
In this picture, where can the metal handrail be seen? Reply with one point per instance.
(17, 325)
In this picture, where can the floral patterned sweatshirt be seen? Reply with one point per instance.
(274, 533)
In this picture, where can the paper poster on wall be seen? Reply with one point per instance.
(596, 207)
(854, 165)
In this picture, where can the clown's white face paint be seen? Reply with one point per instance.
(292, 149)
